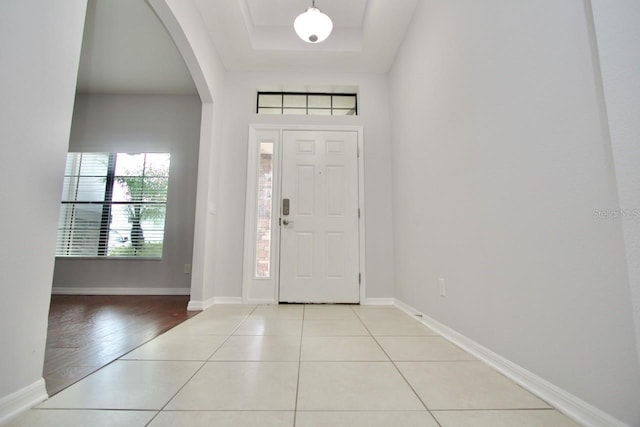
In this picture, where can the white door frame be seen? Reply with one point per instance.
(265, 290)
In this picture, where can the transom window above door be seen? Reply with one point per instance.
(310, 104)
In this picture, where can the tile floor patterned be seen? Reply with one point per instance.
(296, 365)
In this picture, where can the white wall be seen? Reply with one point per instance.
(500, 158)
(241, 90)
(141, 123)
(38, 78)
(618, 36)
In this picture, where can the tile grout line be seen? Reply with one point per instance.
(295, 407)
(199, 369)
(398, 370)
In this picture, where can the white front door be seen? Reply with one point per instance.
(319, 242)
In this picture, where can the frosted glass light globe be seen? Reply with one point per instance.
(313, 26)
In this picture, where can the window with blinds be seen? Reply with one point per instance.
(113, 205)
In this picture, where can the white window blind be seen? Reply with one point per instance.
(113, 205)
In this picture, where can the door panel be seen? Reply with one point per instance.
(336, 255)
(335, 191)
(319, 252)
(306, 190)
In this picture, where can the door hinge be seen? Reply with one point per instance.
(359, 278)
(358, 151)
(358, 213)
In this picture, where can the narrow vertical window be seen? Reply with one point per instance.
(265, 204)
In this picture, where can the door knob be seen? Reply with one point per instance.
(286, 222)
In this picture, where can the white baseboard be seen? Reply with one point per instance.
(264, 301)
(377, 301)
(227, 300)
(22, 400)
(196, 305)
(70, 290)
(575, 408)
(199, 305)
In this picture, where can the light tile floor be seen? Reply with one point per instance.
(313, 365)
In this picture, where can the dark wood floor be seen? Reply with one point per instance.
(88, 332)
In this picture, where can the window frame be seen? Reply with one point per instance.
(306, 109)
(107, 203)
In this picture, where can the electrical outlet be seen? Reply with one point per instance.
(443, 288)
(187, 269)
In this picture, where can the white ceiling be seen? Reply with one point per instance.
(127, 50)
(281, 13)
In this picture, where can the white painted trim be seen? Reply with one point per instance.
(262, 301)
(575, 408)
(250, 212)
(377, 301)
(22, 400)
(71, 290)
(196, 305)
(203, 305)
(227, 300)
(362, 220)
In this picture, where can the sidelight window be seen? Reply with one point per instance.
(265, 206)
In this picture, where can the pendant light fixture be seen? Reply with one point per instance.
(313, 26)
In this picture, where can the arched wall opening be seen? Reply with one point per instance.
(185, 26)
